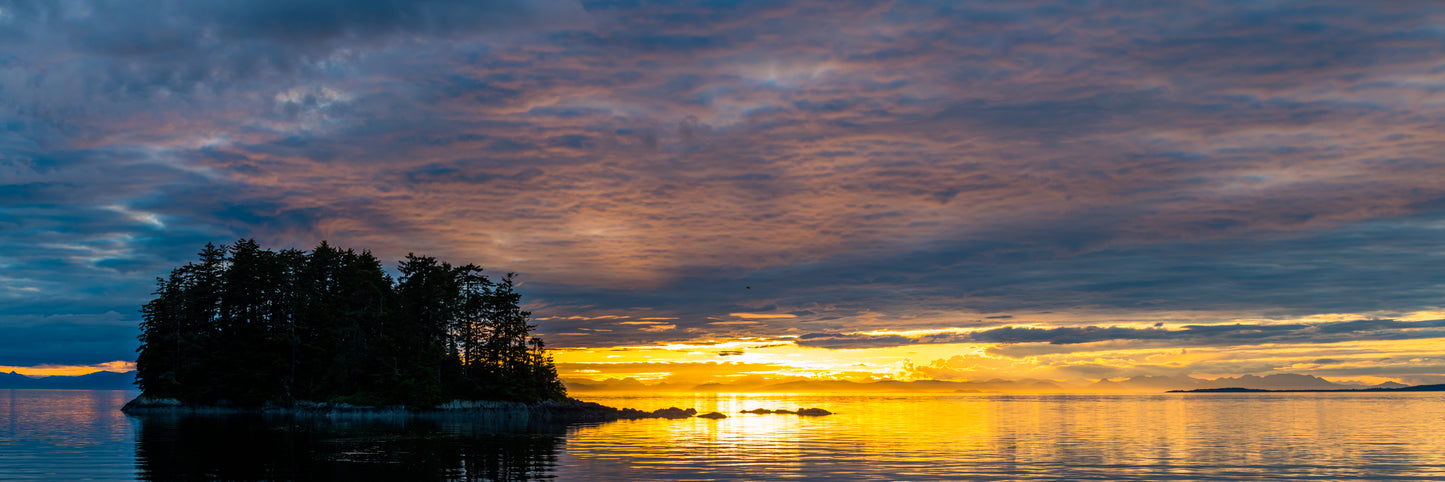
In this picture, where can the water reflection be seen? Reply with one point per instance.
(64, 435)
(1295, 436)
(76, 435)
(172, 447)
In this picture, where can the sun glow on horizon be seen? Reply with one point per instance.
(782, 358)
(69, 370)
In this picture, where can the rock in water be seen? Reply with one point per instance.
(806, 412)
(674, 412)
(712, 415)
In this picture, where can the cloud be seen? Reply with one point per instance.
(846, 341)
(971, 367)
(677, 371)
(66, 339)
(1189, 335)
(893, 166)
(763, 316)
(181, 46)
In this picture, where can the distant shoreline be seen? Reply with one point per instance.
(1416, 388)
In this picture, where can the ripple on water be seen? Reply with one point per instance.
(66, 435)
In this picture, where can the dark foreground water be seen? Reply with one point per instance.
(78, 435)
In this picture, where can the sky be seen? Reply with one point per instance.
(719, 191)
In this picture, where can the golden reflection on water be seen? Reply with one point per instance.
(913, 436)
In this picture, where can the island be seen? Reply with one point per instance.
(245, 329)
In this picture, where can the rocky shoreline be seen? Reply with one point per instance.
(568, 410)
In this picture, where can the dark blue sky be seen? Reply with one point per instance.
(825, 174)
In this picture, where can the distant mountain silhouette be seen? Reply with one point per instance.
(102, 380)
(1405, 388)
(1281, 381)
(9, 380)
(1420, 388)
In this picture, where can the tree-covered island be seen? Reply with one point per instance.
(246, 328)
(249, 326)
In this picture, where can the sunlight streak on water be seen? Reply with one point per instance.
(1112, 437)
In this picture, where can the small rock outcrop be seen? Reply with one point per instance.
(712, 415)
(668, 413)
(674, 412)
(805, 412)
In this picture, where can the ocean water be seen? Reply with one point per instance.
(81, 435)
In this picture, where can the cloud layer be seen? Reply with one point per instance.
(654, 170)
(1237, 334)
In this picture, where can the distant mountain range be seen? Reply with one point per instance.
(1287, 381)
(1415, 388)
(1282, 381)
(102, 380)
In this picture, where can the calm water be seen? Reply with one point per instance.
(75, 435)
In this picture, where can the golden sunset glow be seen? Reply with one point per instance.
(752, 362)
(696, 194)
(69, 370)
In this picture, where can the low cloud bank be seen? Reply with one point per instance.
(1189, 335)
